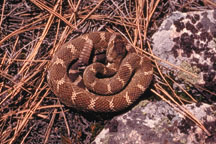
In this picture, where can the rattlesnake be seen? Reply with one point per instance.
(97, 87)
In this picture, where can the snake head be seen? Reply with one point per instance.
(116, 48)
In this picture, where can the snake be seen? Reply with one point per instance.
(99, 72)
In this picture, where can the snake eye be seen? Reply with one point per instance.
(120, 48)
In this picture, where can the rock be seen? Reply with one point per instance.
(188, 40)
(159, 123)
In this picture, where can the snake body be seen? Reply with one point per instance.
(99, 72)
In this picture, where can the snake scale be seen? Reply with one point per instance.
(99, 72)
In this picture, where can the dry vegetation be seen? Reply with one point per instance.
(30, 32)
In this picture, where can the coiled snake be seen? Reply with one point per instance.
(108, 87)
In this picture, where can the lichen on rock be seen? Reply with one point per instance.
(187, 40)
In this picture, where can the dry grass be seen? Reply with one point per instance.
(32, 30)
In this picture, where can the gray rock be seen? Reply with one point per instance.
(188, 40)
(158, 123)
